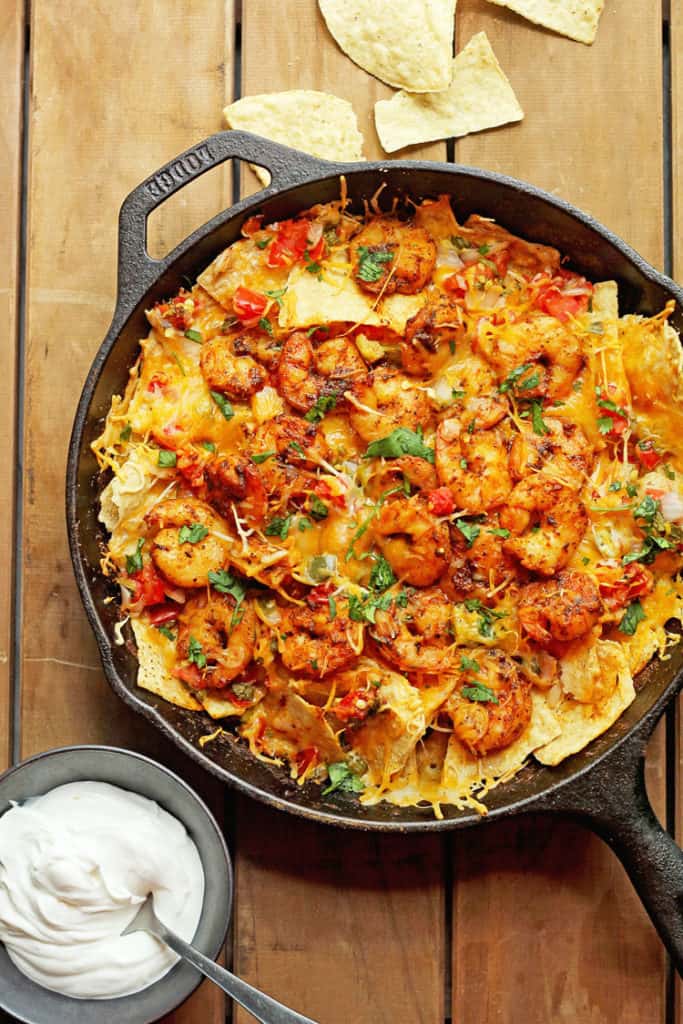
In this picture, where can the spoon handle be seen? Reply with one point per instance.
(261, 1006)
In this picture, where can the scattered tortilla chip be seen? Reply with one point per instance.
(653, 360)
(478, 97)
(577, 19)
(218, 706)
(581, 723)
(405, 44)
(291, 725)
(153, 672)
(314, 122)
(387, 739)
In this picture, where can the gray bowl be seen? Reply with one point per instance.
(32, 1004)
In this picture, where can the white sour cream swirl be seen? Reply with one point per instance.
(75, 865)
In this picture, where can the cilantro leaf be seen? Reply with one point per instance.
(371, 263)
(363, 609)
(265, 325)
(225, 583)
(479, 692)
(223, 404)
(382, 576)
(341, 777)
(605, 424)
(400, 441)
(318, 508)
(511, 381)
(166, 459)
(192, 534)
(322, 405)
(134, 561)
(126, 432)
(278, 527)
(209, 446)
(468, 664)
(540, 427)
(262, 457)
(470, 531)
(165, 631)
(195, 653)
(499, 531)
(633, 615)
(486, 615)
(276, 294)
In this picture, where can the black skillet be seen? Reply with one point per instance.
(603, 786)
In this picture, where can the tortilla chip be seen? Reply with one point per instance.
(577, 19)
(478, 97)
(653, 360)
(314, 122)
(405, 44)
(284, 723)
(220, 707)
(155, 653)
(387, 739)
(581, 723)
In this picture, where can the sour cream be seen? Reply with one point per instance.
(75, 865)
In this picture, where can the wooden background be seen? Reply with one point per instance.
(531, 921)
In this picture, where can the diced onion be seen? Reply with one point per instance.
(321, 567)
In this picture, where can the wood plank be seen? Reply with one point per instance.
(11, 83)
(112, 98)
(544, 916)
(319, 911)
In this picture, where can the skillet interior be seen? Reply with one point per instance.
(520, 208)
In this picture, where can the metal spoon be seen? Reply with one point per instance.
(261, 1006)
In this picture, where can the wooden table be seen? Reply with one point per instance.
(530, 921)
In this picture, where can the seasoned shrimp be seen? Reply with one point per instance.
(291, 446)
(238, 376)
(547, 520)
(479, 566)
(313, 644)
(431, 334)
(305, 374)
(473, 464)
(419, 473)
(564, 453)
(553, 353)
(474, 384)
(233, 479)
(412, 539)
(487, 725)
(182, 562)
(387, 399)
(226, 637)
(561, 609)
(389, 255)
(418, 636)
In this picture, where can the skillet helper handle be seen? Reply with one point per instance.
(258, 1004)
(136, 268)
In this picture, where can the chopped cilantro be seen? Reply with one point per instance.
(363, 609)
(457, 393)
(486, 616)
(668, 471)
(192, 534)
(194, 336)
(470, 531)
(511, 381)
(276, 294)
(400, 441)
(297, 448)
(484, 250)
(165, 631)
(631, 617)
(225, 583)
(605, 424)
(261, 243)
(479, 692)
(322, 405)
(382, 575)
(265, 325)
(499, 531)
(468, 664)
(278, 527)
(616, 486)
(463, 463)
(304, 524)
(126, 432)
(341, 777)
(537, 421)
(166, 459)
(209, 445)
(223, 404)
(262, 457)
(371, 263)
(317, 327)
(313, 267)
(318, 508)
(196, 653)
(134, 561)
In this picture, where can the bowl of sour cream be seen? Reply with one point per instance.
(85, 834)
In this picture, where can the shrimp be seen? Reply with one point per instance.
(561, 609)
(305, 374)
(233, 478)
(548, 521)
(389, 255)
(221, 633)
(553, 354)
(479, 566)
(474, 384)
(419, 473)
(473, 464)
(183, 563)
(292, 447)
(413, 540)
(385, 400)
(313, 644)
(419, 635)
(484, 726)
(238, 376)
(430, 335)
(564, 452)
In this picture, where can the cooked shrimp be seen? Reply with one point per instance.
(475, 385)
(387, 399)
(238, 376)
(417, 636)
(389, 255)
(226, 636)
(473, 463)
(313, 644)
(233, 478)
(419, 473)
(413, 540)
(305, 374)
(564, 453)
(479, 566)
(431, 334)
(183, 563)
(553, 353)
(561, 609)
(548, 521)
(292, 445)
(487, 725)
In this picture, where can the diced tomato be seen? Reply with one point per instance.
(456, 285)
(317, 251)
(619, 425)
(306, 759)
(174, 310)
(647, 454)
(191, 463)
(157, 384)
(290, 243)
(441, 501)
(555, 303)
(251, 225)
(189, 674)
(149, 587)
(320, 595)
(355, 706)
(249, 306)
(162, 613)
(633, 581)
(325, 492)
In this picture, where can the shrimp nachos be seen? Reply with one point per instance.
(397, 501)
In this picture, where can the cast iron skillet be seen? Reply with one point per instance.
(603, 786)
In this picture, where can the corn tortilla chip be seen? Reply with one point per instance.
(577, 19)
(153, 672)
(406, 44)
(314, 122)
(478, 97)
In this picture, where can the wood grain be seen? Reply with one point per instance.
(320, 912)
(11, 83)
(114, 95)
(544, 917)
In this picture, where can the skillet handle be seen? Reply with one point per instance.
(136, 268)
(612, 800)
